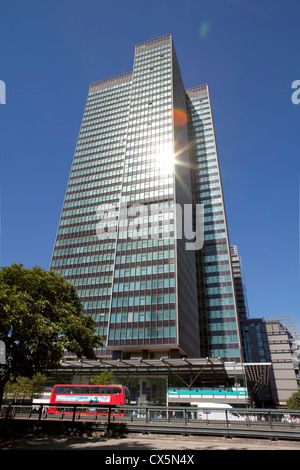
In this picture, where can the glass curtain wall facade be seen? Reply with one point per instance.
(239, 284)
(219, 323)
(116, 240)
(95, 182)
(122, 237)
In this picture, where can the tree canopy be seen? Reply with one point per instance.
(23, 387)
(293, 403)
(41, 317)
(105, 378)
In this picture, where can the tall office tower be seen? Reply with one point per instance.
(219, 324)
(127, 237)
(239, 284)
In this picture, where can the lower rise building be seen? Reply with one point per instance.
(273, 341)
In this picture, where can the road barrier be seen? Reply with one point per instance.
(242, 422)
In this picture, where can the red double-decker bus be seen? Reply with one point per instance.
(87, 399)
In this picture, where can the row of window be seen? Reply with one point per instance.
(107, 256)
(94, 175)
(198, 112)
(153, 59)
(112, 85)
(219, 301)
(222, 326)
(151, 108)
(145, 74)
(103, 183)
(145, 270)
(142, 51)
(153, 177)
(74, 216)
(90, 243)
(224, 289)
(217, 279)
(113, 115)
(121, 95)
(144, 285)
(105, 92)
(142, 316)
(148, 56)
(227, 353)
(106, 105)
(158, 121)
(107, 134)
(212, 209)
(94, 122)
(221, 313)
(210, 193)
(83, 191)
(102, 154)
(204, 156)
(136, 300)
(217, 268)
(101, 268)
(163, 268)
(92, 202)
(223, 339)
(154, 88)
(208, 179)
(89, 161)
(148, 256)
(92, 128)
(106, 143)
(142, 333)
(89, 281)
(215, 236)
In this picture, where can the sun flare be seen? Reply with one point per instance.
(166, 160)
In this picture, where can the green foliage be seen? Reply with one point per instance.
(41, 318)
(105, 378)
(292, 403)
(23, 387)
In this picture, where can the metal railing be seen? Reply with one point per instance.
(191, 420)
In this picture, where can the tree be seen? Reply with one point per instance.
(293, 403)
(22, 387)
(105, 378)
(41, 317)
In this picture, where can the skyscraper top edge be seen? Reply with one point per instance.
(123, 75)
(197, 88)
(154, 40)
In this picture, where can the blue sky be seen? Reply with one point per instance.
(247, 51)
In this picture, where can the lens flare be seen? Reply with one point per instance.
(166, 159)
(204, 28)
(180, 118)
